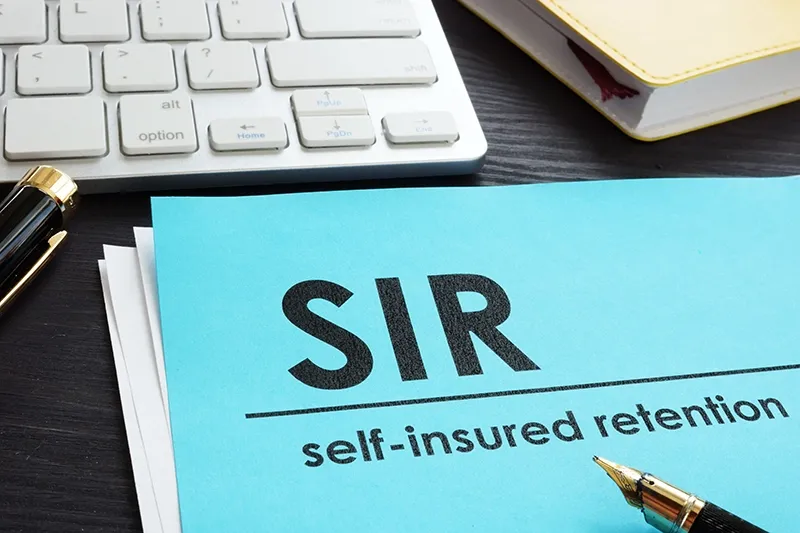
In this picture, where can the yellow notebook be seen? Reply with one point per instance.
(659, 68)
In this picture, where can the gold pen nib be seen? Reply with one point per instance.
(626, 478)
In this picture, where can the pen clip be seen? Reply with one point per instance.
(52, 243)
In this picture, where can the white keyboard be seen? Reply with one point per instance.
(164, 94)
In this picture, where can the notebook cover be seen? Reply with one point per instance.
(663, 42)
(450, 359)
(605, 85)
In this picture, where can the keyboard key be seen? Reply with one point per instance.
(139, 68)
(420, 127)
(23, 21)
(157, 124)
(85, 21)
(430, 127)
(55, 127)
(350, 62)
(221, 65)
(48, 69)
(356, 18)
(315, 102)
(316, 132)
(248, 134)
(253, 19)
(178, 20)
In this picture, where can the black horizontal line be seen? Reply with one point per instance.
(519, 392)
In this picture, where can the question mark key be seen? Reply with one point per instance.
(222, 65)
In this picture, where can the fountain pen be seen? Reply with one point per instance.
(670, 509)
(32, 219)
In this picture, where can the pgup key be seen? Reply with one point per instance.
(316, 102)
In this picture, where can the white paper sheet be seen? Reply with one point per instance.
(148, 509)
(145, 249)
(133, 322)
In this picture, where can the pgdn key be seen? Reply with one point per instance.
(320, 132)
(157, 124)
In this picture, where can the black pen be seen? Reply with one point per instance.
(32, 219)
(670, 509)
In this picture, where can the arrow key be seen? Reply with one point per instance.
(336, 131)
(424, 127)
(265, 133)
(319, 102)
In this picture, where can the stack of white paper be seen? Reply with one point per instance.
(129, 289)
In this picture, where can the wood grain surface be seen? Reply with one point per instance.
(64, 463)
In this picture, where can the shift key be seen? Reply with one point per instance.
(157, 124)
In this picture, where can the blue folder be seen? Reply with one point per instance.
(451, 359)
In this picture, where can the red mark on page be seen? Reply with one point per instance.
(609, 87)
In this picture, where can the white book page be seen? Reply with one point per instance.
(148, 510)
(128, 301)
(145, 249)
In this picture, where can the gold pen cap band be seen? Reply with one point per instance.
(55, 184)
(668, 508)
(665, 507)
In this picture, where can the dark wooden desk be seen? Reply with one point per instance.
(64, 463)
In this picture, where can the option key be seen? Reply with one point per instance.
(157, 124)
